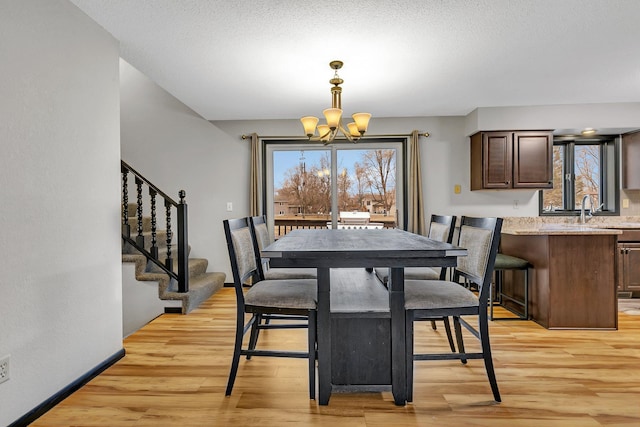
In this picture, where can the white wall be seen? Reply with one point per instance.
(60, 288)
(176, 149)
(140, 302)
(598, 116)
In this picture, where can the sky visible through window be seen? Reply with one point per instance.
(365, 182)
(285, 160)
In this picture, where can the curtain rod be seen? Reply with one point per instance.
(425, 134)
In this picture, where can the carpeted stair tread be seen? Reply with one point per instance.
(201, 286)
(197, 266)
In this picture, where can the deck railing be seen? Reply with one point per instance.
(284, 225)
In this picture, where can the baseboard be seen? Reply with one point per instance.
(45, 406)
(228, 285)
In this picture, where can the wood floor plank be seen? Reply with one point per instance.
(175, 373)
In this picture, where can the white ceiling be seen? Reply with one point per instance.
(253, 59)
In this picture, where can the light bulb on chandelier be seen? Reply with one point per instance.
(333, 116)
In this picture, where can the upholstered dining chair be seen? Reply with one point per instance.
(262, 238)
(292, 297)
(441, 228)
(441, 298)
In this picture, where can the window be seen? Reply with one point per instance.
(317, 182)
(583, 169)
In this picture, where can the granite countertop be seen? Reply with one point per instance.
(620, 225)
(560, 229)
(568, 225)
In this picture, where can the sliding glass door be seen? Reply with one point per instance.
(311, 185)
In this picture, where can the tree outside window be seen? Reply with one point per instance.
(368, 181)
(581, 168)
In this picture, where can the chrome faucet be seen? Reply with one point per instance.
(583, 215)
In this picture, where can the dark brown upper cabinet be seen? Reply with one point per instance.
(631, 161)
(512, 159)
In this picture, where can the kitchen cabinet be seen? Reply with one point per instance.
(512, 159)
(631, 161)
(629, 263)
(573, 278)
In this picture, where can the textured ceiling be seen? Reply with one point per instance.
(251, 59)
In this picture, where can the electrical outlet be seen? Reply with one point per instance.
(4, 369)
(515, 204)
(625, 203)
(229, 206)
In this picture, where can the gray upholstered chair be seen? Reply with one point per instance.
(441, 228)
(294, 297)
(440, 298)
(263, 239)
(508, 262)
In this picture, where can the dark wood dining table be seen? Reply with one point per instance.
(380, 337)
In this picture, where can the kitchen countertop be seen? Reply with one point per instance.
(621, 225)
(568, 225)
(560, 229)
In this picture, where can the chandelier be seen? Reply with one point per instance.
(328, 132)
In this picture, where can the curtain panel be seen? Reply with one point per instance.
(255, 189)
(416, 216)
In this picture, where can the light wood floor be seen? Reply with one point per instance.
(175, 373)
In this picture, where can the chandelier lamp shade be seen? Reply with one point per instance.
(327, 132)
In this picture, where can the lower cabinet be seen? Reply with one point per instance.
(573, 280)
(629, 269)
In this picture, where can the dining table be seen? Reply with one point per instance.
(361, 342)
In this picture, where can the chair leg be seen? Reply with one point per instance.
(433, 325)
(486, 355)
(491, 291)
(235, 361)
(447, 328)
(255, 330)
(526, 293)
(409, 352)
(456, 325)
(311, 333)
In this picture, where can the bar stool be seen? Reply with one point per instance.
(508, 262)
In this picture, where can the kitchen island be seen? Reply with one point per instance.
(573, 278)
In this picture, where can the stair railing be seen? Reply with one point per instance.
(182, 275)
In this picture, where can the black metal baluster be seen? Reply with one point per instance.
(169, 261)
(139, 237)
(154, 246)
(183, 245)
(126, 229)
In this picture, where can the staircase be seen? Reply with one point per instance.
(201, 283)
(159, 255)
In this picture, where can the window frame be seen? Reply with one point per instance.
(609, 171)
(398, 143)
